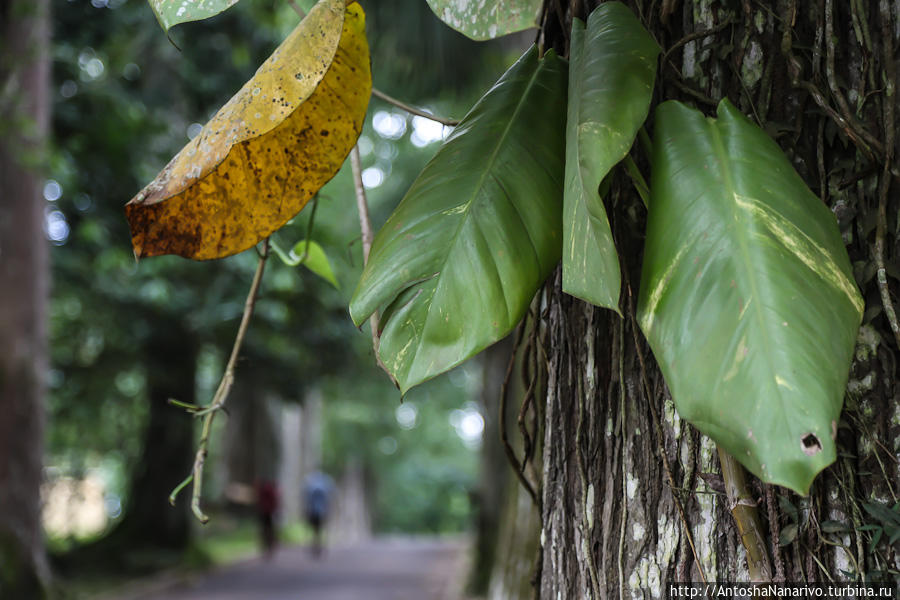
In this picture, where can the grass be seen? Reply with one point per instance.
(225, 540)
(240, 539)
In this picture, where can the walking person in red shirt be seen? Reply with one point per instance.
(267, 505)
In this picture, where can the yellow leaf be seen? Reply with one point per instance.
(268, 150)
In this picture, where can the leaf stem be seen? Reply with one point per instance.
(640, 184)
(185, 405)
(218, 401)
(365, 227)
(297, 8)
(298, 260)
(179, 487)
(646, 142)
(743, 510)
(413, 110)
(362, 204)
(285, 256)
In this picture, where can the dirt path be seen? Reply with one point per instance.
(382, 569)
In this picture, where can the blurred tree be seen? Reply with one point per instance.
(494, 477)
(123, 335)
(777, 64)
(149, 522)
(24, 278)
(422, 469)
(126, 337)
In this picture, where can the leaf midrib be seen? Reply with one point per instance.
(595, 225)
(747, 263)
(576, 127)
(467, 210)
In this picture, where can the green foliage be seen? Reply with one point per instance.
(120, 81)
(747, 295)
(487, 20)
(611, 72)
(743, 266)
(886, 525)
(311, 255)
(172, 12)
(485, 211)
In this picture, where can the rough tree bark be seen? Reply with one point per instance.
(820, 77)
(24, 275)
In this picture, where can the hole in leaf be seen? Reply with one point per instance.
(810, 444)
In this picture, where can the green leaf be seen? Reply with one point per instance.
(487, 20)
(309, 254)
(833, 527)
(788, 508)
(788, 534)
(895, 535)
(461, 257)
(313, 257)
(882, 512)
(875, 539)
(747, 295)
(612, 65)
(172, 12)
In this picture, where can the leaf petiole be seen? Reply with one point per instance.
(638, 180)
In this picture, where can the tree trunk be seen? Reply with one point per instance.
(153, 534)
(493, 486)
(253, 444)
(150, 521)
(350, 515)
(820, 76)
(289, 473)
(24, 268)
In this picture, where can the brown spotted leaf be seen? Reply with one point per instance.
(268, 150)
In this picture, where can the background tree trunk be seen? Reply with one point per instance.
(153, 534)
(493, 485)
(820, 77)
(253, 446)
(24, 275)
(150, 522)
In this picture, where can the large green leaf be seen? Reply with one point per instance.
(612, 66)
(172, 12)
(458, 262)
(486, 20)
(747, 295)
